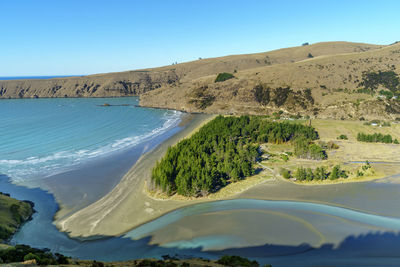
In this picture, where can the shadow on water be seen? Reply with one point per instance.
(374, 248)
(40, 232)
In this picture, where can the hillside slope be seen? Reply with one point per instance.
(325, 80)
(346, 85)
(12, 214)
(140, 81)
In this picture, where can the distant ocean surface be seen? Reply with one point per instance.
(35, 77)
(42, 137)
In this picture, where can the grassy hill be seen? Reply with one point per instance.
(325, 80)
(139, 81)
(12, 214)
(324, 86)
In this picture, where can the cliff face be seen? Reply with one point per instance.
(102, 85)
(323, 80)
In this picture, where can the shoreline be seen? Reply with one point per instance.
(130, 204)
(126, 206)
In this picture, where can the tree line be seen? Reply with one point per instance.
(222, 151)
(319, 174)
(376, 138)
(21, 253)
(306, 149)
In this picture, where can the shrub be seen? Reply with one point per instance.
(237, 261)
(284, 157)
(31, 256)
(387, 79)
(21, 253)
(303, 148)
(337, 173)
(342, 137)
(332, 145)
(281, 94)
(285, 173)
(201, 98)
(320, 173)
(262, 94)
(308, 95)
(221, 77)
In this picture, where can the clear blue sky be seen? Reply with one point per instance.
(62, 37)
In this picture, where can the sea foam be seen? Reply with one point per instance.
(119, 129)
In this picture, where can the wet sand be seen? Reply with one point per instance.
(90, 181)
(128, 205)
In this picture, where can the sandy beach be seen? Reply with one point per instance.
(130, 204)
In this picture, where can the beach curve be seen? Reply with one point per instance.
(128, 205)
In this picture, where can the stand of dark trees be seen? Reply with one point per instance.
(320, 173)
(21, 253)
(376, 138)
(222, 151)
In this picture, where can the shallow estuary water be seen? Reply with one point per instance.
(63, 145)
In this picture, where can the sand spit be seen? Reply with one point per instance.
(128, 205)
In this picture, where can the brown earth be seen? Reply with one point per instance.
(331, 70)
(331, 79)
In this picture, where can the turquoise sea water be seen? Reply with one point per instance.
(373, 248)
(43, 137)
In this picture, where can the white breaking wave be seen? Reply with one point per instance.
(40, 167)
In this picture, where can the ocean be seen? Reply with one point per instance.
(80, 149)
(44, 137)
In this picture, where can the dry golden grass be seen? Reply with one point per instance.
(331, 129)
(137, 82)
(351, 154)
(325, 75)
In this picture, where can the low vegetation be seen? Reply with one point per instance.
(224, 151)
(21, 253)
(31, 257)
(319, 174)
(323, 173)
(304, 148)
(238, 261)
(342, 137)
(376, 138)
(262, 94)
(280, 96)
(12, 214)
(387, 79)
(221, 77)
(201, 98)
